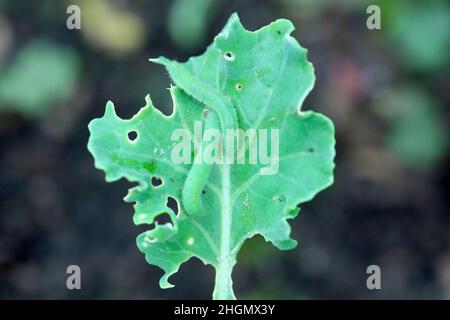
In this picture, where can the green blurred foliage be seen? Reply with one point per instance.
(417, 132)
(40, 75)
(188, 22)
(419, 31)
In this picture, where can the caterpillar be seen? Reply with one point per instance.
(223, 116)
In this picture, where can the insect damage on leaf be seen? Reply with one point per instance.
(253, 83)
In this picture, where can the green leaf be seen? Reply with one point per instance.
(249, 80)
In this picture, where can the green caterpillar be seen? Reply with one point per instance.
(223, 116)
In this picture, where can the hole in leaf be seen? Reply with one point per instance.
(229, 56)
(163, 218)
(205, 114)
(172, 204)
(239, 87)
(156, 181)
(132, 135)
(203, 191)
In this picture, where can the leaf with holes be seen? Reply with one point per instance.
(249, 82)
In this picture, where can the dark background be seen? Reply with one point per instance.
(385, 90)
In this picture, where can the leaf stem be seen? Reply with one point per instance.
(223, 289)
(224, 284)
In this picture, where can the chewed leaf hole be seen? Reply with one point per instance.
(238, 86)
(132, 136)
(205, 114)
(156, 182)
(162, 218)
(229, 56)
(172, 204)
